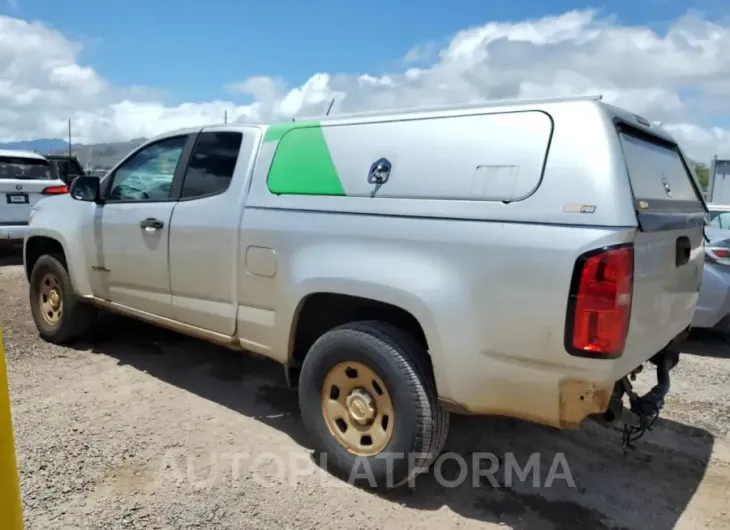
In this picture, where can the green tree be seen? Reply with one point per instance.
(703, 173)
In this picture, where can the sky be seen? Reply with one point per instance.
(131, 69)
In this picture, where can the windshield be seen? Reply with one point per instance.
(25, 169)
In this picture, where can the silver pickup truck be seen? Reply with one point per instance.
(516, 258)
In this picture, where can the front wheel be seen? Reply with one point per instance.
(368, 398)
(57, 312)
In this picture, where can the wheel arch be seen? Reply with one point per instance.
(320, 311)
(378, 302)
(39, 245)
(49, 242)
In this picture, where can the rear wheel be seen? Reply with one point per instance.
(368, 399)
(57, 312)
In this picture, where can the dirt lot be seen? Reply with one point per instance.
(137, 428)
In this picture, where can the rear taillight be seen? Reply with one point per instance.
(55, 190)
(719, 255)
(599, 306)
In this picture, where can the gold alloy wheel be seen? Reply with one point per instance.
(51, 303)
(357, 408)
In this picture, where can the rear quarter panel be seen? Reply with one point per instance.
(491, 296)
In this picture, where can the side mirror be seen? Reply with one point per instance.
(86, 188)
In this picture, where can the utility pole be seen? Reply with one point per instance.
(225, 117)
(69, 137)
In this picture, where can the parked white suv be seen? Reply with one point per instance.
(516, 259)
(25, 178)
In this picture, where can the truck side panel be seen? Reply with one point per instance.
(491, 296)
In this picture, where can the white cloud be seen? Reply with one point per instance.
(422, 53)
(680, 77)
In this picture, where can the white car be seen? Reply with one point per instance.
(713, 306)
(25, 178)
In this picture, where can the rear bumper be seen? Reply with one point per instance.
(558, 396)
(13, 232)
(713, 306)
(561, 396)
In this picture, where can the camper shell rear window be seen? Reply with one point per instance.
(658, 173)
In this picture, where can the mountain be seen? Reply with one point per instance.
(43, 145)
(100, 156)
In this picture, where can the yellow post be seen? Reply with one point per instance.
(11, 508)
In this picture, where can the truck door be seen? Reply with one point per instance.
(129, 232)
(204, 230)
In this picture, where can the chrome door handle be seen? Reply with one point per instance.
(151, 224)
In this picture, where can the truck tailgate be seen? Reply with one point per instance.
(668, 245)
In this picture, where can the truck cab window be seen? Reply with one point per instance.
(148, 174)
(212, 164)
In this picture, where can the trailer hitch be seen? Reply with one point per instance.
(643, 410)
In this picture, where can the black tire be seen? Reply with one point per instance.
(420, 424)
(76, 317)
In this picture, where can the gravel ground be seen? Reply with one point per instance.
(142, 428)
